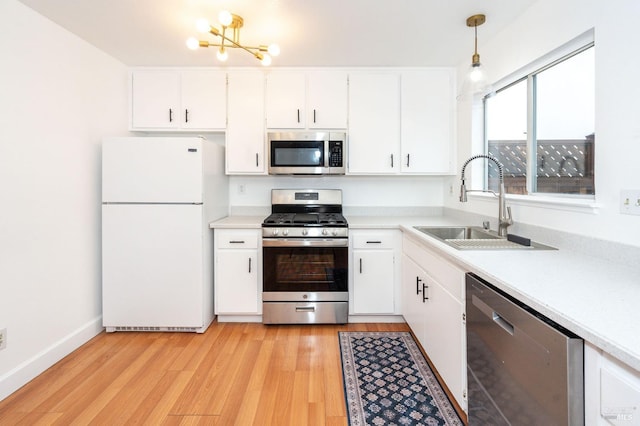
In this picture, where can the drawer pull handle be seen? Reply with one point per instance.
(305, 308)
(374, 242)
(236, 242)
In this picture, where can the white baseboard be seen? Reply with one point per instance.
(239, 318)
(30, 368)
(376, 318)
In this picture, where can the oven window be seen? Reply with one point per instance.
(306, 269)
(297, 154)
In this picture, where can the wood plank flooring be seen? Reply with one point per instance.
(234, 374)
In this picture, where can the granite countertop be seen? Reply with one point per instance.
(594, 298)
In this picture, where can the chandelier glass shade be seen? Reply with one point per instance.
(229, 37)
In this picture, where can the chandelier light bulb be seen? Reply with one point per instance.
(202, 25)
(274, 49)
(266, 60)
(193, 43)
(222, 55)
(225, 18)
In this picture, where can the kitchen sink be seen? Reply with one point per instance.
(458, 232)
(477, 238)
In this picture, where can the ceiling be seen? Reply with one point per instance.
(349, 33)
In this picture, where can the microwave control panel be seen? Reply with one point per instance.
(335, 153)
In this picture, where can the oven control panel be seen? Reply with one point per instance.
(305, 232)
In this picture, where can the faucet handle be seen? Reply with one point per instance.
(486, 225)
(509, 217)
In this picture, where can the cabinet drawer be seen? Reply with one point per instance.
(375, 239)
(236, 239)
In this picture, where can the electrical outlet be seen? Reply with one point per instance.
(241, 189)
(630, 202)
(3, 338)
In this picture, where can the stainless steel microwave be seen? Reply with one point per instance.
(307, 153)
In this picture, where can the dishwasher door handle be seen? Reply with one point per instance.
(503, 323)
(492, 314)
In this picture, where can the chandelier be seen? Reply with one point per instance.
(232, 23)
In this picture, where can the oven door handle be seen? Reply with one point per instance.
(305, 242)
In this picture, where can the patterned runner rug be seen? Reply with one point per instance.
(387, 381)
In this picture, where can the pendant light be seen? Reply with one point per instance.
(476, 79)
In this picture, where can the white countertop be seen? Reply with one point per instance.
(596, 299)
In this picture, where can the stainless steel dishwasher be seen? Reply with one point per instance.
(523, 369)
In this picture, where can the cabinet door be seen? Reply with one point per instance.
(285, 100)
(245, 127)
(427, 121)
(444, 338)
(412, 303)
(237, 282)
(374, 124)
(373, 286)
(155, 99)
(204, 99)
(327, 100)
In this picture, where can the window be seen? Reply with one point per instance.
(541, 128)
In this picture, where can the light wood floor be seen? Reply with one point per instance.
(235, 373)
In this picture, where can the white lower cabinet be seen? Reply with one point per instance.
(238, 272)
(433, 306)
(375, 271)
(612, 390)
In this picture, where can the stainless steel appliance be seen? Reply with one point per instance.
(522, 367)
(307, 153)
(305, 258)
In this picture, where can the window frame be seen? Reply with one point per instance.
(574, 47)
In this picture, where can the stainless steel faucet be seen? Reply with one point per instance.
(504, 212)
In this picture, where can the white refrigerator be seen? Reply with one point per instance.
(158, 196)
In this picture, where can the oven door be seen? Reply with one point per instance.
(305, 269)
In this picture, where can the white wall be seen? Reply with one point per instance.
(359, 193)
(545, 26)
(58, 97)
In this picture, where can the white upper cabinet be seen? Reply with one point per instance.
(374, 123)
(401, 123)
(245, 143)
(204, 99)
(155, 99)
(297, 100)
(427, 121)
(173, 99)
(285, 99)
(327, 100)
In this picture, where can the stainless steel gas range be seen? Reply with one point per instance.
(305, 258)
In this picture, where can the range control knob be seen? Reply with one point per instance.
(335, 232)
(275, 231)
(305, 231)
(285, 232)
(325, 232)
